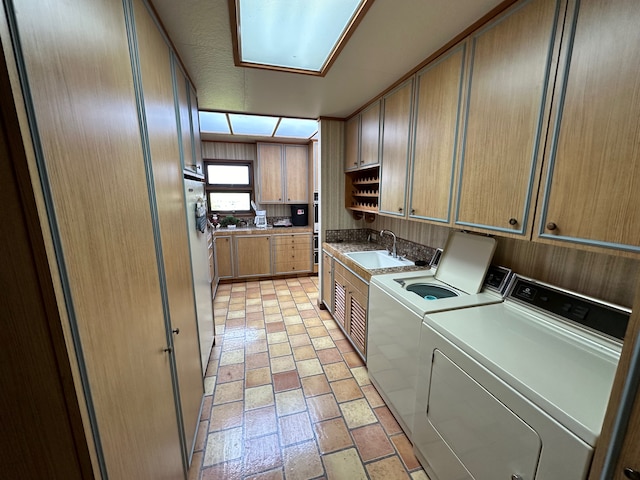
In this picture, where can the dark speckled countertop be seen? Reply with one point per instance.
(338, 249)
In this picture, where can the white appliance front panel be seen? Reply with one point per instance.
(392, 352)
(563, 455)
(565, 374)
(488, 438)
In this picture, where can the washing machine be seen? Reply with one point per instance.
(516, 390)
(398, 303)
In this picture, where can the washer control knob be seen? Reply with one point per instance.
(631, 473)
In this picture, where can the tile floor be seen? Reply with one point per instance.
(287, 397)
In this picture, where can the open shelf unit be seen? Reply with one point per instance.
(362, 189)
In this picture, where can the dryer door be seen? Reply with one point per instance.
(483, 435)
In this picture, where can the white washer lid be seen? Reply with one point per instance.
(465, 261)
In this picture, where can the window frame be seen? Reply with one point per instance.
(229, 188)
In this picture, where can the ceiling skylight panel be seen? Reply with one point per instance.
(252, 124)
(293, 34)
(296, 128)
(214, 122)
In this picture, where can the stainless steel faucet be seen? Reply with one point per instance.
(393, 252)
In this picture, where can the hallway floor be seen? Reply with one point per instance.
(287, 397)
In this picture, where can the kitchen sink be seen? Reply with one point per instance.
(377, 259)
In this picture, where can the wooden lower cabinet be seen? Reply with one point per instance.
(292, 253)
(222, 258)
(252, 255)
(350, 298)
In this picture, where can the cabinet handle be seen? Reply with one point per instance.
(176, 331)
(168, 350)
(400, 209)
(413, 211)
(516, 477)
(355, 163)
(513, 221)
(631, 473)
(553, 226)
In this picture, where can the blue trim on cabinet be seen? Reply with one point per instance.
(55, 234)
(540, 122)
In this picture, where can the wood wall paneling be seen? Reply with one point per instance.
(155, 65)
(88, 126)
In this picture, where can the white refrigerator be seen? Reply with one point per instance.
(196, 197)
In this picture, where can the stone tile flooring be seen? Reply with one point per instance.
(287, 397)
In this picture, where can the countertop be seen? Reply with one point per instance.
(223, 232)
(338, 249)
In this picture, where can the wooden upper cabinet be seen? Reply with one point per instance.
(591, 193)
(196, 143)
(270, 173)
(437, 109)
(352, 144)
(184, 118)
(511, 62)
(370, 135)
(283, 173)
(395, 149)
(296, 165)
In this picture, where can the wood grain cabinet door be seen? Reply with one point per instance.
(296, 164)
(437, 110)
(591, 195)
(511, 62)
(352, 144)
(253, 255)
(395, 150)
(222, 257)
(370, 135)
(270, 173)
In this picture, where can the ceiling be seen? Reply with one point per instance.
(393, 38)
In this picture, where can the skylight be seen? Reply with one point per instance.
(293, 35)
(257, 125)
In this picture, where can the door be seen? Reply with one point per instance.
(296, 164)
(222, 257)
(438, 104)
(253, 255)
(590, 195)
(511, 64)
(89, 133)
(395, 150)
(370, 135)
(270, 173)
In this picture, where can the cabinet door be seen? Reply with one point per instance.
(395, 150)
(510, 66)
(438, 102)
(352, 144)
(184, 118)
(296, 163)
(222, 252)
(270, 173)
(357, 301)
(195, 130)
(370, 135)
(253, 255)
(327, 280)
(155, 63)
(591, 193)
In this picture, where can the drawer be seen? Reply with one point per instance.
(292, 240)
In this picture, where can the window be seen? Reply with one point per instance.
(229, 186)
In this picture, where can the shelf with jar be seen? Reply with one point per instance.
(362, 189)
